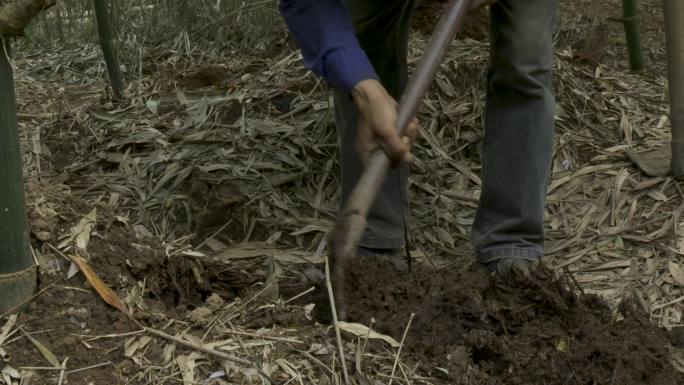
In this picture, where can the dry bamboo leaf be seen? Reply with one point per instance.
(134, 344)
(45, 352)
(611, 265)
(86, 226)
(217, 374)
(168, 353)
(657, 195)
(626, 128)
(216, 245)
(677, 358)
(677, 273)
(187, 365)
(4, 332)
(171, 172)
(680, 241)
(96, 282)
(81, 231)
(584, 171)
(9, 373)
(245, 250)
(262, 249)
(363, 331)
(289, 369)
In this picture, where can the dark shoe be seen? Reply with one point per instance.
(372, 252)
(510, 266)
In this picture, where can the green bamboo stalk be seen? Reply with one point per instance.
(60, 28)
(17, 269)
(104, 32)
(630, 20)
(674, 36)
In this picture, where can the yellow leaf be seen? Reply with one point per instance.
(107, 294)
(49, 356)
(561, 346)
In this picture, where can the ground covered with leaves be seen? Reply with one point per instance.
(203, 199)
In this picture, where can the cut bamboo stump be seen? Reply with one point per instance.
(17, 269)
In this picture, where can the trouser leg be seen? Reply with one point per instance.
(519, 125)
(382, 28)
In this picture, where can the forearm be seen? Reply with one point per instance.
(325, 34)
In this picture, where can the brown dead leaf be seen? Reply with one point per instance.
(677, 273)
(44, 351)
(360, 330)
(107, 294)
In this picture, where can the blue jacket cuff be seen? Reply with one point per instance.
(345, 67)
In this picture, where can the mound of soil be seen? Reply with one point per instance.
(478, 329)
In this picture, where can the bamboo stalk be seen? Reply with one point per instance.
(17, 270)
(630, 20)
(674, 30)
(104, 32)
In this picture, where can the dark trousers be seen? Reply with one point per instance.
(519, 125)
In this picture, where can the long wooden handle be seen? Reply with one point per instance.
(352, 221)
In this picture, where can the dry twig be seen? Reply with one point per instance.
(199, 348)
(401, 344)
(328, 284)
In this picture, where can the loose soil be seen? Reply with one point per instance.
(65, 319)
(427, 13)
(482, 330)
(72, 321)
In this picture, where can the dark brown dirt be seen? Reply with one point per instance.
(428, 12)
(484, 330)
(174, 283)
(62, 319)
(68, 313)
(209, 76)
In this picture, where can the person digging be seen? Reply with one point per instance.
(360, 48)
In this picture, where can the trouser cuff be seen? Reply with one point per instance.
(489, 256)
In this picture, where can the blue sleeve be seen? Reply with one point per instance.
(325, 34)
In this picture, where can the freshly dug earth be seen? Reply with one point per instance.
(485, 330)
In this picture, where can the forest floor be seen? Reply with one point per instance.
(203, 199)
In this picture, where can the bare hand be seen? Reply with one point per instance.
(377, 126)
